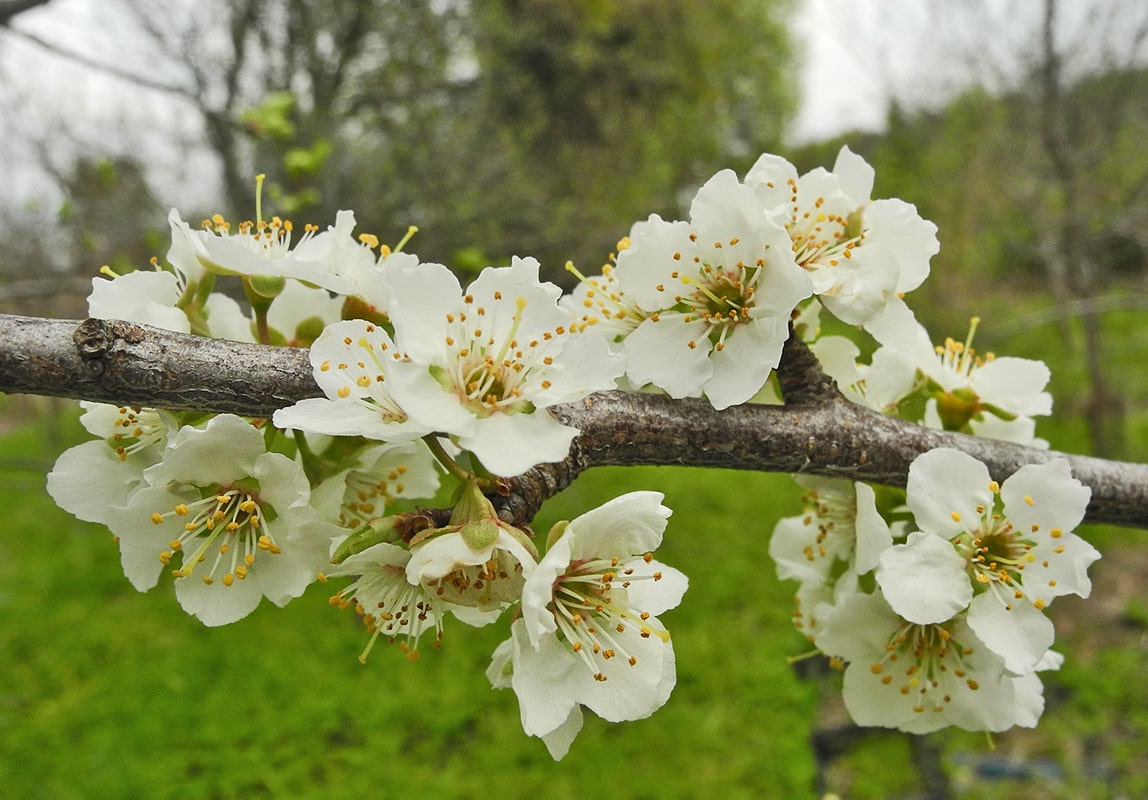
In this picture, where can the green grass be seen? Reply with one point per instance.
(105, 692)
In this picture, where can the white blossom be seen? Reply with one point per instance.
(589, 633)
(1004, 552)
(269, 248)
(490, 361)
(861, 254)
(718, 291)
(239, 520)
(90, 479)
(389, 605)
(918, 678)
(148, 297)
(840, 523)
(354, 363)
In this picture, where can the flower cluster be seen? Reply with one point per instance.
(420, 376)
(933, 600)
(703, 307)
(938, 619)
(423, 377)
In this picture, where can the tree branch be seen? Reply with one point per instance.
(817, 431)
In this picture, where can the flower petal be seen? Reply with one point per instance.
(924, 580)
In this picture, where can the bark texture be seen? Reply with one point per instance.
(818, 431)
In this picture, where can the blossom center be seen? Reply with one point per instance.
(485, 585)
(927, 664)
(368, 493)
(494, 371)
(390, 606)
(224, 532)
(591, 610)
(821, 239)
(136, 429)
(720, 292)
(835, 516)
(366, 377)
(270, 239)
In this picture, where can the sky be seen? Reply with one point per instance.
(855, 56)
(842, 85)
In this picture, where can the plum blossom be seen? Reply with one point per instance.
(982, 395)
(239, 520)
(861, 254)
(354, 363)
(589, 633)
(90, 479)
(600, 304)
(383, 474)
(476, 565)
(1004, 552)
(148, 297)
(920, 678)
(879, 385)
(270, 248)
(838, 537)
(389, 604)
(490, 361)
(840, 523)
(718, 291)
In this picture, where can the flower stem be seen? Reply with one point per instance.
(444, 458)
(311, 467)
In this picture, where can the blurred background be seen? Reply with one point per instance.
(546, 128)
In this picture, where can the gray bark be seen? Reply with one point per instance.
(818, 431)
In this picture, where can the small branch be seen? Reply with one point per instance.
(129, 364)
(801, 377)
(99, 66)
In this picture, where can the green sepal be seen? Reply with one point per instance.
(957, 407)
(471, 505)
(998, 412)
(442, 377)
(854, 223)
(556, 532)
(355, 307)
(479, 535)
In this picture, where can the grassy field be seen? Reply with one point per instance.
(107, 693)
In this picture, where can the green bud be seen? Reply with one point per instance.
(307, 331)
(374, 532)
(267, 287)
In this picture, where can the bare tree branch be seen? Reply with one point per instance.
(817, 432)
(99, 66)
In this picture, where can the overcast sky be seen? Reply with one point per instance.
(856, 56)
